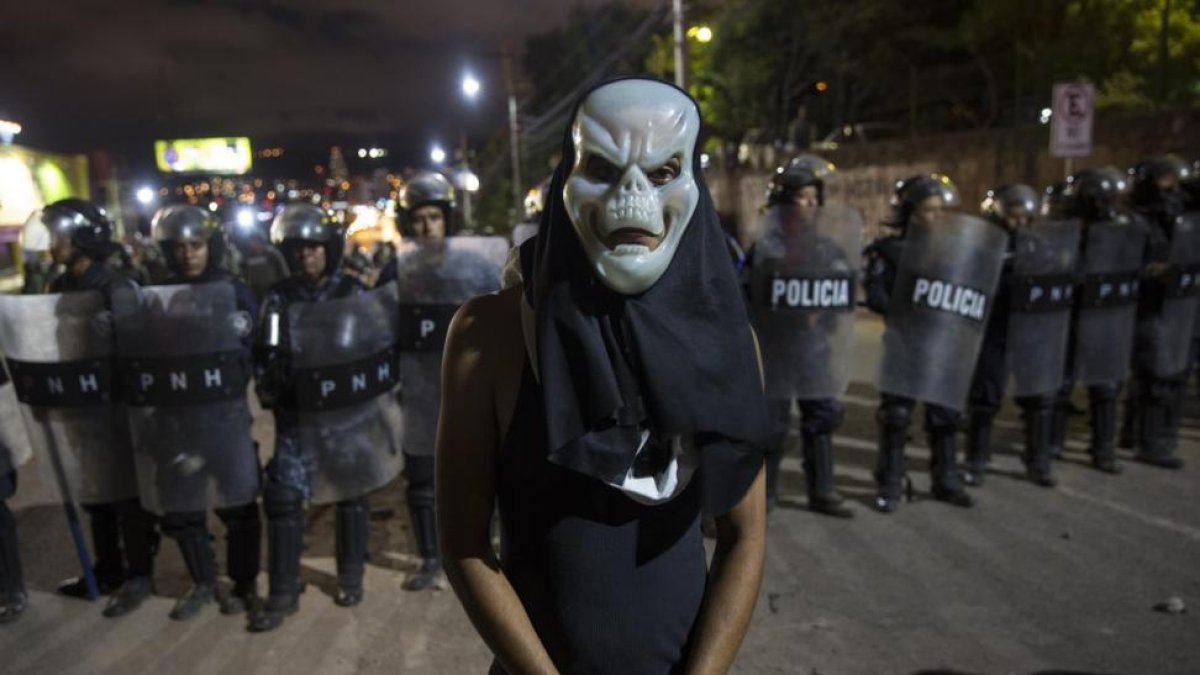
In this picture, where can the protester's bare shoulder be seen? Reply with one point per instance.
(486, 332)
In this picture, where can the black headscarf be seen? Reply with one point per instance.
(678, 358)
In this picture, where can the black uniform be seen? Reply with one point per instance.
(289, 481)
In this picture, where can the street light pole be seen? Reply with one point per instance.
(514, 139)
(680, 46)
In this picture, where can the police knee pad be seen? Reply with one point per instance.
(894, 415)
(181, 524)
(281, 500)
(245, 515)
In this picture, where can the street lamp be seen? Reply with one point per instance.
(470, 86)
(437, 154)
(145, 195)
(702, 34)
(8, 129)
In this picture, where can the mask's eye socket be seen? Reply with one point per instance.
(665, 173)
(602, 170)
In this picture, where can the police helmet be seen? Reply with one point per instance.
(800, 172)
(307, 224)
(1014, 199)
(1092, 194)
(428, 187)
(180, 222)
(1146, 174)
(910, 192)
(87, 226)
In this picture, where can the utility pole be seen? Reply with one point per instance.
(680, 46)
(514, 137)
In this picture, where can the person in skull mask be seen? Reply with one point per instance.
(313, 244)
(917, 199)
(1013, 208)
(193, 245)
(796, 193)
(428, 205)
(1156, 399)
(588, 402)
(124, 535)
(1092, 196)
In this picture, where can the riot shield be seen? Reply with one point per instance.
(802, 290)
(943, 295)
(1112, 261)
(1173, 327)
(185, 378)
(344, 368)
(1042, 294)
(433, 278)
(14, 441)
(58, 351)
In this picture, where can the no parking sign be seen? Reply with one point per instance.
(1071, 123)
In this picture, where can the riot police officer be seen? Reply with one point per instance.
(194, 247)
(313, 245)
(123, 533)
(1159, 362)
(427, 203)
(1112, 242)
(795, 194)
(920, 199)
(1039, 317)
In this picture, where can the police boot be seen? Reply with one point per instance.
(285, 542)
(889, 469)
(947, 482)
(1058, 429)
(1151, 448)
(351, 550)
(1102, 447)
(818, 477)
(109, 567)
(1172, 420)
(1127, 437)
(13, 598)
(243, 536)
(1037, 456)
(128, 597)
(429, 574)
(197, 552)
(979, 447)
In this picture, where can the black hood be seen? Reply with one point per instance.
(679, 358)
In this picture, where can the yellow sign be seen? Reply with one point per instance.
(30, 179)
(204, 155)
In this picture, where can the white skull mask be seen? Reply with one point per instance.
(631, 192)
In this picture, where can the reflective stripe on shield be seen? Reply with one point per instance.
(940, 303)
(1042, 294)
(58, 351)
(185, 378)
(802, 294)
(434, 277)
(1112, 260)
(345, 374)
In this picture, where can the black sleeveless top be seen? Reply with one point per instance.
(611, 586)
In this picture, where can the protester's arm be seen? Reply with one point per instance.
(479, 342)
(734, 580)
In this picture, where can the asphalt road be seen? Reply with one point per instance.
(1030, 581)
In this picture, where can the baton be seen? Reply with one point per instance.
(81, 550)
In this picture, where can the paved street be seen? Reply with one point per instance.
(1031, 580)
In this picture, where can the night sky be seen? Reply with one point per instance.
(87, 74)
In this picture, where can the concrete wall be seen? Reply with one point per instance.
(975, 160)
